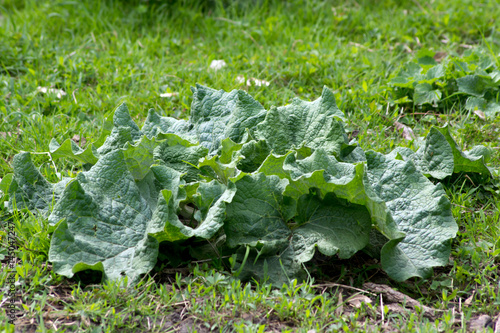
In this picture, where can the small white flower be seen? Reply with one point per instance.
(169, 95)
(407, 131)
(259, 83)
(241, 79)
(217, 64)
(58, 92)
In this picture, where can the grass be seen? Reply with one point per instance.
(102, 53)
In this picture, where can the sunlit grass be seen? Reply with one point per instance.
(101, 53)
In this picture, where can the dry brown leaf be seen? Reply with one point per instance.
(480, 114)
(358, 299)
(407, 131)
(79, 140)
(466, 46)
(469, 299)
(440, 56)
(10, 135)
(340, 305)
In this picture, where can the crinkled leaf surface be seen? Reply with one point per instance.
(223, 167)
(434, 158)
(27, 188)
(254, 153)
(125, 130)
(273, 165)
(325, 173)
(258, 212)
(206, 196)
(332, 225)
(440, 156)
(217, 115)
(279, 184)
(139, 156)
(155, 125)
(105, 224)
(181, 155)
(314, 124)
(212, 207)
(420, 210)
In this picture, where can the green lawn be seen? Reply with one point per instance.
(149, 54)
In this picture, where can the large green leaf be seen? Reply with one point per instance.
(115, 134)
(28, 189)
(474, 85)
(180, 155)
(155, 125)
(212, 207)
(104, 223)
(434, 158)
(420, 210)
(424, 93)
(258, 212)
(254, 153)
(314, 124)
(125, 130)
(440, 156)
(330, 224)
(324, 172)
(70, 149)
(216, 115)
